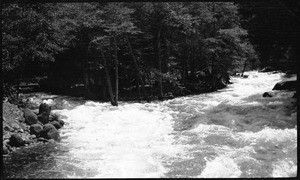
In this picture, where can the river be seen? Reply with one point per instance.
(233, 132)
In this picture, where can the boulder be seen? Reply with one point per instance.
(43, 117)
(295, 95)
(30, 117)
(286, 85)
(16, 140)
(36, 129)
(44, 113)
(50, 132)
(267, 94)
(44, 108)
(56, 124)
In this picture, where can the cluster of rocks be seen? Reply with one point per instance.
(42, 124)
(31, 127)
(283, 85)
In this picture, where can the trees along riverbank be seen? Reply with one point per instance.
(124, 51)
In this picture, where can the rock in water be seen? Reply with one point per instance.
(30, 117)
(43, 118)
(44, 108)
(286, 85)
(61, 122)
(44, 113)
(267, 94)
(56, 124)
(50, 132)
(15, 140)
(36, 129)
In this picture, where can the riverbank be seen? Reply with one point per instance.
(28, 124)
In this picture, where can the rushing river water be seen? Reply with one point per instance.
(234, 132)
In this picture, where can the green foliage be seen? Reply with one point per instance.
(173, 42)
(27, 35)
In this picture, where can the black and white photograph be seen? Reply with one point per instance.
(151, 89)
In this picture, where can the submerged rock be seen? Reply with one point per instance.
(286, 85)
(30, 117)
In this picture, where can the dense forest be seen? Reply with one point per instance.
(143, 50)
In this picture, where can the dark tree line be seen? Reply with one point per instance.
(141, 50)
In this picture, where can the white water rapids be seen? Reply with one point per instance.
(234, 132)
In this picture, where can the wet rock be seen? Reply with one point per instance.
(44, 113)
(61, 122)
(267, 94)
(56, 124)
(245, 76)
(36, 129)
(44, 108)
(16, 140)
(43, 117)
(50, 132)
(286, 85)
(30, 117)
(54, 117)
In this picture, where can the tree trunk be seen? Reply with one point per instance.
(112, 101)
(139, 89)
(117, 71)
(86, 76)
(160, 92)
(138, 73)
(245, 65)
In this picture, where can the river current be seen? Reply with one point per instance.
(233, 132)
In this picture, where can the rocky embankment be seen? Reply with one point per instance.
(23, 126)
